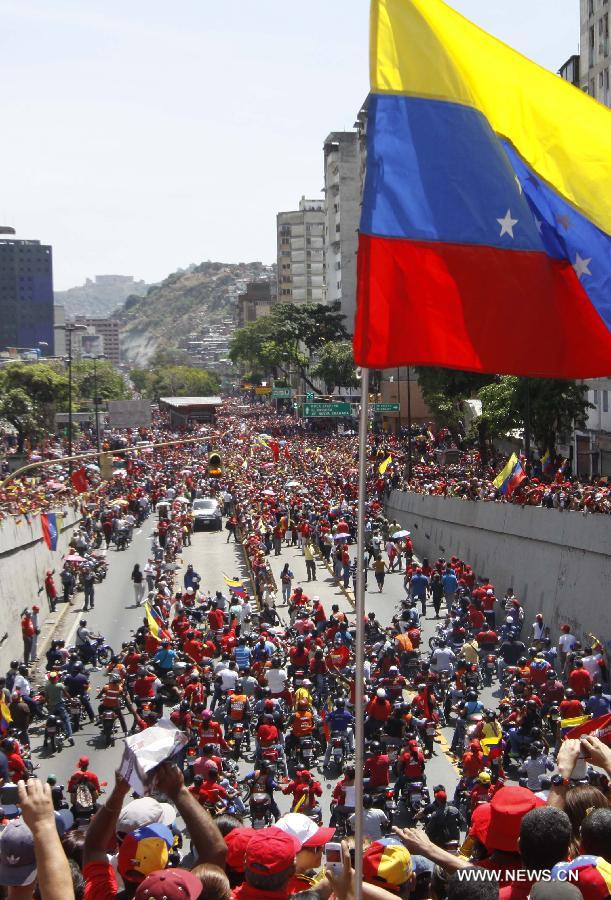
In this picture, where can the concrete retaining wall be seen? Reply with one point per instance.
(24, 561)
(558, 563)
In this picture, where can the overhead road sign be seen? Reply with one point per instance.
(326, 410)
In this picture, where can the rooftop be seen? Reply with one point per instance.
(191, 401)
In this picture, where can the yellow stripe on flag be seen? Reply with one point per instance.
(385, 464)
(425, 48)
(151, 621)
(505, 471)
(231, 582)
(573, 723)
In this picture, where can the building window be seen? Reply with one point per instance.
(595, 398)
(605, 401)
(591, 46)
(590, 7)
(337, 228)
(339, 285)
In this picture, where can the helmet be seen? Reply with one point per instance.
(83, 622)
(375, 747)
(340, 703)
(77, 666)
(302, 705)
(53, 676)
(471, 695)
(381, 694)
(206, 715)
(114, 677)
(484, 777)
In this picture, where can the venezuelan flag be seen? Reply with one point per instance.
(155, 624)
(5, 717)
(385, 464)
(487, 193)
(504, 477)
(546, 463)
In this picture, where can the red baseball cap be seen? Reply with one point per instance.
(271, 851)
(497, 824)
(170, 884)
(83, 761)
(237, 842)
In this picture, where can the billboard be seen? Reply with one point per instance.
(129, 413)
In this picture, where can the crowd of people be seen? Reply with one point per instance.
(259, 678)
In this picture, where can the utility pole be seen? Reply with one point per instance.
(409, 424)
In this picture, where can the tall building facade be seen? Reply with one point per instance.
(108, 332)
(301, 253)
(595, 60)
(342, 170)
(256, 301)
(26, 295)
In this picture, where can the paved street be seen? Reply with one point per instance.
(116, 616)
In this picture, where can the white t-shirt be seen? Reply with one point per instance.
(374, 820)
(442, 659)
(276, 679)
(566, 642)
(591, 664)
(228, 679)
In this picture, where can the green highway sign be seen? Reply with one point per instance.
(385, 407)
(282, 393)
(320, 410)
(309, 396)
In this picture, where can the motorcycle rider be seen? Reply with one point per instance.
(77, 685)
(112, 697)
(340, 722)
(302, 724)
(304, 785)
(83, 776)
(377, 767)
(410, 766)
(56, 695)
(238, 710)
(84, 644)
(261, 781)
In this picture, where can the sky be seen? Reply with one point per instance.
(139, 137)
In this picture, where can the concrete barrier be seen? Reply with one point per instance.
(24, 561)
(558, 563)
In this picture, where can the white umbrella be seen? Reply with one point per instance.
(400, 534)
(291, 484)
(268, 492)
(341, 537)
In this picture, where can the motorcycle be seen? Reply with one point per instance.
(75, 711)
(122, 539)
(108, 718)
(237, 736)
(339, 750)
(384, 799)
(414, 796)
(428, 732)
(307, 749)
(489, 669)
(260, 811)
(54, 735)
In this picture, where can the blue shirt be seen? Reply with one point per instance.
(450, 582)
(599, 705)
(242, 656)
(419, 585)
(165, 658)
(340, 720)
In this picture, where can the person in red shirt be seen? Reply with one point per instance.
(580, 680)
(298, 657)
(211, 792)
(377, 767)
(487, 639)
(27, 633)
(473, 761)
(216, 619)
(267, 733)
(571, 707)
(193, 648)
(144, 685)
(195, 691)
(378, 711)
(83, 773)
(304, 785)
(211, 731)
(476, 617)
(338, 657)
(410, 766)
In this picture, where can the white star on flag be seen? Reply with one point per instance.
(519, 184)
(507, 224)
(581, 266)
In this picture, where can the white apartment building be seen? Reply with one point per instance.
(343, 191)
(592, 445)
(595, 59)
(301, 253)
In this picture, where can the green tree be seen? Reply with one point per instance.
(110, 383)
(174, 381)
(556, 407)
(336, 366)
(289, 338)
(445, 390)
(20, 412)
(44, 390)
(169, 357)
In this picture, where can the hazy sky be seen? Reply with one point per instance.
(139, 136)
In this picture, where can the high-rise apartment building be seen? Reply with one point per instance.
(256, 301)
(343, 190)
(595, 59)
(26, 295)
(301, 253)
(108, 332)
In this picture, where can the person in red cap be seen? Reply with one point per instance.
(269, 864)
(170, 884)
(84, 777)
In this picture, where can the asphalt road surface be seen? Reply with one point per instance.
(116, 617)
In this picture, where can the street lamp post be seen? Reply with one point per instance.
(70, 328)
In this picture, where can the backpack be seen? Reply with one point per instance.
(83, 798)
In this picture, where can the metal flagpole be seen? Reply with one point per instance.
(359, 675)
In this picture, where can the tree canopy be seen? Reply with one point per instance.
(336, 366)
(289, 338)
(29, 396)
(174, 381)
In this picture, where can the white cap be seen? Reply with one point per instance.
(305, 830)
(144, 811)
(381, 693)
(489, 592)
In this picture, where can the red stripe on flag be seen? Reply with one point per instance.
(601, 726)
(474, 307)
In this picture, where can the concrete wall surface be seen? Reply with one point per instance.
(558, 563)
(24, 561)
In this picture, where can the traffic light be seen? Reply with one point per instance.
(106, 466)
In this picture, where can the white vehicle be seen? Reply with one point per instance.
(207, 512)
